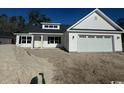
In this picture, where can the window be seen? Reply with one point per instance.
(91, 36)
(55, 26)
(107, 36)
(50, 26)
(19, 39)
(29, 39)
(54, 40)
(23, 39)
(46, 26)
(82, 36)
(50, 40)
(99, 36)
(58, 40)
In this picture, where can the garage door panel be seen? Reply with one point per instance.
(95, 44)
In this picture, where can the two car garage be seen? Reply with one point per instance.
(95, 43)
(95, 32)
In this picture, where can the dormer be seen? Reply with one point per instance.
(55, 26)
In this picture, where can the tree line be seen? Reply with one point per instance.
(19, 24)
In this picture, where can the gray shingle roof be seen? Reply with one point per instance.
(38, 29)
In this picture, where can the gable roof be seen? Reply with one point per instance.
(99, 12)
(38, 29)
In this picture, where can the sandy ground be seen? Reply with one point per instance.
(20, 65)
(88, 68)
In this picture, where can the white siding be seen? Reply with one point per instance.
(17, 40)
(118, 42)
(32, 42)
(24, 45)
(37, 41)
(66, 40)
(73, 42)
(94, 21)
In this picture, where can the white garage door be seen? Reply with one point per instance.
(92, 43)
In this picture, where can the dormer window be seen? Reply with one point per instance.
(55, 26)
(51, 26)
(46, 26)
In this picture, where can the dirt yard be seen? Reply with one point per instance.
(20, 65)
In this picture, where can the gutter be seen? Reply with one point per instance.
(45, 33)
(80, 31)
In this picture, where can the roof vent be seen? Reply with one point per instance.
(95, 18)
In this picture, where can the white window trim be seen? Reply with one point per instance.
(54, 41)
(26, 39)
(48, 26)
(22, 39)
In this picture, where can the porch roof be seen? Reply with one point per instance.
(31, 30)
(34, 33)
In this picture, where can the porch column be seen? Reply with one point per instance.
(32, 42)
(17, 40)
(41, 41)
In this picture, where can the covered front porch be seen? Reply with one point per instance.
(40, 40)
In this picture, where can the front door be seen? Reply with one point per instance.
(38, 39)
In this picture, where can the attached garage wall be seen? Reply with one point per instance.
(115, 42)
(73, 42)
